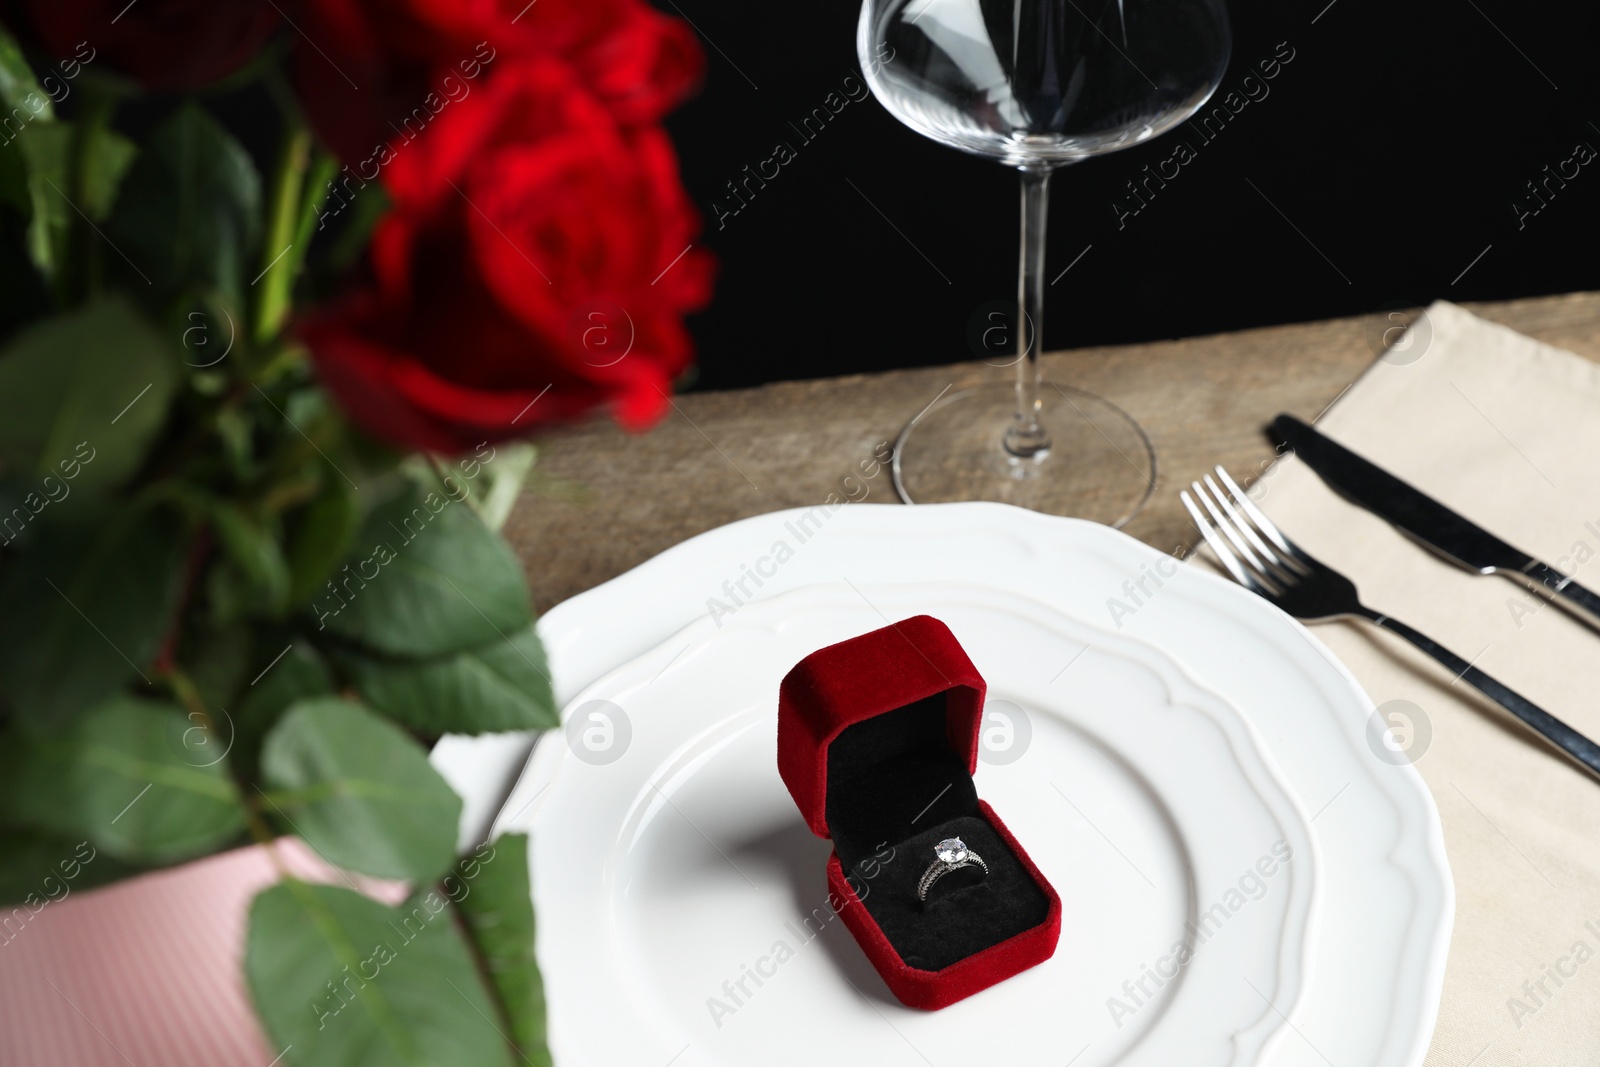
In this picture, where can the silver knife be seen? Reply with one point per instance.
(1447, 534)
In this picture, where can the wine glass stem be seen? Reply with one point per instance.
(1026, 438)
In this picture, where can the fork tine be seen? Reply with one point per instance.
(1286, 572)
(1218, 545)
(1260, 578)
(1239, 521)
(1229, 531)
(1266, 525)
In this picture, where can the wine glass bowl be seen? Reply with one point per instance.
(1036, 84)
(1042, 83)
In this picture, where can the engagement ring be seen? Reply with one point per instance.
(953, 854)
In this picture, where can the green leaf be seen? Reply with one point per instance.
(33, 154)
(360, 791)
(37, 867)
(498, 908)
(189, 210)
(17, 82)
(107, 157)
(319, 536)
(235, 431)
(124, 779)
(45, 148)
(86, 389)
(215, 657)
(427, 579)
(348, 982)
(255, 550)
(288, 671)
(502, 482)
(83, 610)
(504, 685)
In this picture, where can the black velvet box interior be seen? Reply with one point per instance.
(895, 782)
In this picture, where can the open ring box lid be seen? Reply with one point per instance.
(877, 743)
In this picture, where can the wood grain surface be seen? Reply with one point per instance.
(603, 500)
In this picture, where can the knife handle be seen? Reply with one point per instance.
(1575, 745)
(1558, 587)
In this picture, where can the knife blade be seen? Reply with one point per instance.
(1445, 532)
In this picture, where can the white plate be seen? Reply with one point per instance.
(1386, 897)
(1186, 871)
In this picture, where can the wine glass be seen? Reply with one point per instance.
(1037, 84)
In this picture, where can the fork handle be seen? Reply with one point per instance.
(1578, 747)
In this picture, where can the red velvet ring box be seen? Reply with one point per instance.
(877, 742)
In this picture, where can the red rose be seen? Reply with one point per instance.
(164, 44)
(380, 63)
(537, 264)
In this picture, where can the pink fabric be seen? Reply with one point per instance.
(147, 972)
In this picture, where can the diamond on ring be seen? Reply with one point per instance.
(951, 854)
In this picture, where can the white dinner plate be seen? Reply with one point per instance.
(673, 871)
(1386, 899)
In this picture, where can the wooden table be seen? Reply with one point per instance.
(603, 501)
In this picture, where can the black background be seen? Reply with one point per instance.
(1395, 141)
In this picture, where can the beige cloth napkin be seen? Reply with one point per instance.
(1506, 430)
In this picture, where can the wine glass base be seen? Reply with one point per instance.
(1099, 466)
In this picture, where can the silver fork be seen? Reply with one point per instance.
(1266, 562)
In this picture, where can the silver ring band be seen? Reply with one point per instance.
(951, 854)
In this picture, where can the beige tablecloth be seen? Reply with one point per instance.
(1505, 430)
